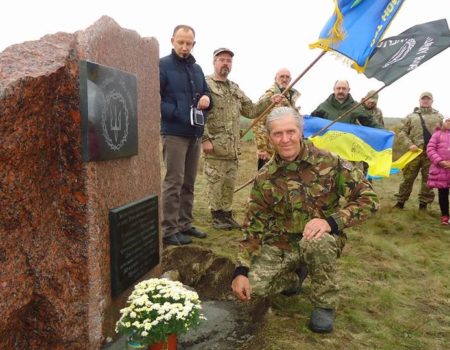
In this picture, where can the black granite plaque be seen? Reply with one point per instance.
(108, 105)
(134, 242)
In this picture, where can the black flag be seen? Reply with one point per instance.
(398, 55)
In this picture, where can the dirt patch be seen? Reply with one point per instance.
(230, 324)
(210, 275)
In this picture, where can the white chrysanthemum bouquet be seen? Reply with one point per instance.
(158, 308)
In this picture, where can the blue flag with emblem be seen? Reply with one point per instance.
(354, 142)
(356, 27)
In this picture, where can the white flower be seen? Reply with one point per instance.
(155, 303)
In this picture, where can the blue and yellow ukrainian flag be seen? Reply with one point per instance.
(354, 142)
(356, 27)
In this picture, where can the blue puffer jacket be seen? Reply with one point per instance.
(182, 83)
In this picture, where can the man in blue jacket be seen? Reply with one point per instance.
(185, 98)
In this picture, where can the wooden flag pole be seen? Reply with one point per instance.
(267, 110)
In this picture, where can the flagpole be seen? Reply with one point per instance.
(324, 128)
(256, 120)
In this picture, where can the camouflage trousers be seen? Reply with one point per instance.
(273, 270)
(410, 172)
(220, 177)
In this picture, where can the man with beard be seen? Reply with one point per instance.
(339, 102)
(415, 132)
(221, 139)
(272, 95)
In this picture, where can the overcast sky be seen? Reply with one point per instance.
(265, 35)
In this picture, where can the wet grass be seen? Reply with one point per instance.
(394, 277)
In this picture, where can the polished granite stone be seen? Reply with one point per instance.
(54, 229)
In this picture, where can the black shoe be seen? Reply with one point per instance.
(321, 320)
(423, 206)
(302, 273)
(177, 239)
(194, 233)
(399, 205)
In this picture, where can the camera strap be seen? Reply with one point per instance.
(426, 133)
(192, 87)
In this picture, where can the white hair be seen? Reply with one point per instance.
(281, 113)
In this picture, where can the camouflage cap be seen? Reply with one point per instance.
(426, 94)
(374, 97)
(223, 49)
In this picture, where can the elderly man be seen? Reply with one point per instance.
(415, 132)
(221, 139)
(273, 94)
(339, 102)
(298, 207)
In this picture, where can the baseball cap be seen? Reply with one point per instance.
(426, 94)
(223, 49)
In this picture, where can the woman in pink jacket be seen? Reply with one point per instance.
(438, 151)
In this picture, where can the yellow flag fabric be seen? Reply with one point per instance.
(405, 159)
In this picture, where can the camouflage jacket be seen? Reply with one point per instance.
(377, 115)
(331, 109)
(229, 102)
(411, 131)
(287, 195)
(259, 129)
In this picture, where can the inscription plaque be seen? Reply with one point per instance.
(134, 242)
(108, 104)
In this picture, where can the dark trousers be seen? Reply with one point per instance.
(180, 155)
(443, 200)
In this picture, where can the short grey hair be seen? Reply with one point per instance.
(281, 113)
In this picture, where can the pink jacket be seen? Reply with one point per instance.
(439, 149)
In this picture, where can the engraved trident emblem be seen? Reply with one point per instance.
(116, 122)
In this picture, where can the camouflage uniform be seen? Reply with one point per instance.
(222, 128)
(377, 115)
(259, 129)
(411, 133)
(284, 198)
(375, 112)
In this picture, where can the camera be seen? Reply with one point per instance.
(197, 117)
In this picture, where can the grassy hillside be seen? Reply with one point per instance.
(394, 277)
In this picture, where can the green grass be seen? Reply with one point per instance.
(394, 277)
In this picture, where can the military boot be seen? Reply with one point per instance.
(399, 205)
(220, 222)
(229, 218)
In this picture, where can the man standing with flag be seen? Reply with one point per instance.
(341, 101)
(416, 131)
(273, 94)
